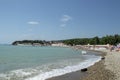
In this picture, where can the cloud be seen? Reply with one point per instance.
(33, 22)
(66, 18)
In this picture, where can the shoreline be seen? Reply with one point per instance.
(97, 71)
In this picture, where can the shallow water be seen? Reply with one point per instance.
(40, 63)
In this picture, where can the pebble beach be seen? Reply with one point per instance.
(112, 63)
(106, 69)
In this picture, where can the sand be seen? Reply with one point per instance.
(99, 72)
(70, 76)
(112, 63)
(106, 69)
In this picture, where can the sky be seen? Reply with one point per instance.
(58, 19)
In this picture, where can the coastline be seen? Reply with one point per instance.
(98, 71)
(106, 69)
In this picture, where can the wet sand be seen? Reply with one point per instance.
(70, 76)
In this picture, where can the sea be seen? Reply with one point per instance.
(41, 62)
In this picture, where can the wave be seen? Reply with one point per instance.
(68, 69)
(48, 71)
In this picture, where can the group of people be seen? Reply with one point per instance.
(115, 48)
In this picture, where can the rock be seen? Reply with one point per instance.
(102, 58)
(84, 70)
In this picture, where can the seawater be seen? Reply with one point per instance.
(40, 63)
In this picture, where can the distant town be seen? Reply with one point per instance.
(106, 42)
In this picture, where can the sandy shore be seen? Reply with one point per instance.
(99, 71)
(107, 69)
(112, 63)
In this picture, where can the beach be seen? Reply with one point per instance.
(113, 64)
(106, 69)
(99, 71)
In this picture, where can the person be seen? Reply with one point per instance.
(111, 48)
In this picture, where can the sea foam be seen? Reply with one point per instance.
(48, 71)
(68, 69)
